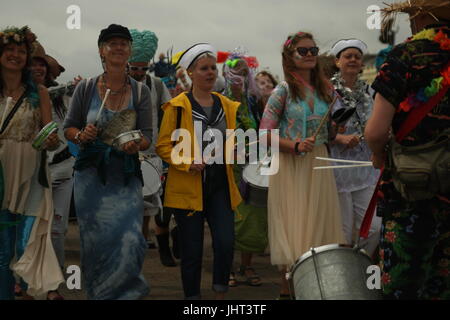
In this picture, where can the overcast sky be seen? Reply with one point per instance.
(259, 25)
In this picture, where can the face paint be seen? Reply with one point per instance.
(297, 56)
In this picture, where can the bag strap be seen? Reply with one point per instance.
(139, 90)
(12, 113)
(413, 119)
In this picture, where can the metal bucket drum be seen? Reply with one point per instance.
(257, 184)
(332, 272)
(152, 178)
(46, 131)
(121, 139)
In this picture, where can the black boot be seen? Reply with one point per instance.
(175, 243)
(164, 250)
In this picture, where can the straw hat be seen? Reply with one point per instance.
(54, 68)
(436, 8)
(38, 51)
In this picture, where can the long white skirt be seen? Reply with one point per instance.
(303, 207)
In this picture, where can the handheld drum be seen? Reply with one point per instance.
(38, 142)
(121, 139)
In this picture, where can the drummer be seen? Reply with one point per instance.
(108, 193)
(197, 191)
(26, 200)
(355, 185)
(250, 221)
(303, 207)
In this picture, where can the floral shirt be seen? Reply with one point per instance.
(294, 117)
(409, 67)
(353, 179)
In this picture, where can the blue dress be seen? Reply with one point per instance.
(110, 216)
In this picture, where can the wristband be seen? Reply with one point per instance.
(77, 137)
(297, 151)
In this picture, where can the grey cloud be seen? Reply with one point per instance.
(259, 25)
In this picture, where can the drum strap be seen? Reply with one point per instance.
(139, 90)
(12, 113)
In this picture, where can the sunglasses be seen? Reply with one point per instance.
(303, 51)
(133, 68)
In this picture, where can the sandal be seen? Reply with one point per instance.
(232, 282)
(18, 290)
(54, 295)
(253, 280)
(284, 297)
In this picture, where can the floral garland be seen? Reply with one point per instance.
(354, 98)
(17, 35)
(426, 93)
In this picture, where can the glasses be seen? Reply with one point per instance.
(303, 51)
(133, 68)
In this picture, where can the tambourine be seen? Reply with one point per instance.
(121, 139)
(46, 131)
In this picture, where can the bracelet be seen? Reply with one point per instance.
(77, 137)
(297, 151)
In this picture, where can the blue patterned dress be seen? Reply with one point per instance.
(110, 220)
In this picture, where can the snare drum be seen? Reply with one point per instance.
(151, 175)
(332, 272)
(121, 139)
(257, 185)
(38, 142)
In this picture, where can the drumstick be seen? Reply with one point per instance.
(102, 106)
(8, 102)
(248, 144)
(345, 161)
(322, 122)
(344, 166)
(262, 162)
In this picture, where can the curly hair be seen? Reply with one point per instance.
(14, 35)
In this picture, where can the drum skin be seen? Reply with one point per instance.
(152, 178)
(333, 272)
(46, 131)
(120, 140)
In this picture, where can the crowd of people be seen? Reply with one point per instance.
(108, 125)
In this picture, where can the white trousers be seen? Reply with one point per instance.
(353, 208)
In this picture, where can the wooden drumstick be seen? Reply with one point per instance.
(8, 102)
(102, 106)
(325, 117)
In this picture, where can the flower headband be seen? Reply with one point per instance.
(289, 40)
(17, 35)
